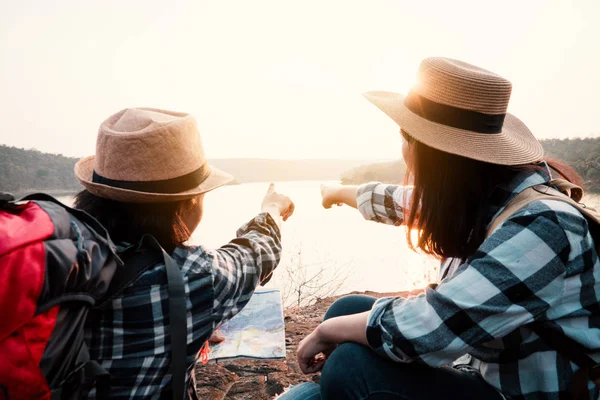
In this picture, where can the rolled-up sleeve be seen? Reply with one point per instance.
(383, 203)
(240, 265)
(512, 280)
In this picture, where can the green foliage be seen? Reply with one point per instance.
(23, 171)
(581, 154)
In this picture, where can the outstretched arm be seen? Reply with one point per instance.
(376, 201)
(339, 195)
(238, 267)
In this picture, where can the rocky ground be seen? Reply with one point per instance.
(265, 379)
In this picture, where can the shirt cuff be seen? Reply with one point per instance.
(263, 223)
(379, 337)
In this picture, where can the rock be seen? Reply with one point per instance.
(212, 381)
(255, 367)
(265, 379)
(277, 382)
(249, 384)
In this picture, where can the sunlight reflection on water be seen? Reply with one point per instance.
(369, 256)
(330, 245)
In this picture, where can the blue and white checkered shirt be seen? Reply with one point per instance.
(538, 265)
(131, 338)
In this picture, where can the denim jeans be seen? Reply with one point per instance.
(354, 371)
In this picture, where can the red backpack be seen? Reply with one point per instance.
(56, 263)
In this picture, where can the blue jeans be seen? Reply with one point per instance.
(354, 371)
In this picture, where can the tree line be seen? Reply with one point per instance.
(23, 171)
(583, 154)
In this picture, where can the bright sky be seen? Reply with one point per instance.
(282, 79)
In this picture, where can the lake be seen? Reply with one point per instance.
(328, 246)
(325, 252)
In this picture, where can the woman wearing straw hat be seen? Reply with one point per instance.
(468, 158)
(149, 177)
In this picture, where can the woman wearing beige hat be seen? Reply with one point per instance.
(512, 299)
(148, 178)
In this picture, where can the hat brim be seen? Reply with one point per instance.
(84, 170)
(515, 145)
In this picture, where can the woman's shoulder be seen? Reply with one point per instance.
(194, 258)
(545, 215)
(553, 210)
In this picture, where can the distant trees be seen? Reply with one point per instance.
(24, 171)
(387, 172)
(581, 154)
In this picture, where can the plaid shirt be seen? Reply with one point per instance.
(131, 339)
(538, 265)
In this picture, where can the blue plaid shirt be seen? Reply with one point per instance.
(131, 338)
(538, 265)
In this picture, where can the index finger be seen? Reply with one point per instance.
(271, 189)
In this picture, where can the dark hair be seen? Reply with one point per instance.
(128, 222)
(450, 199)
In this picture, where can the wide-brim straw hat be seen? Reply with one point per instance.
(146, 155)
(461, 109)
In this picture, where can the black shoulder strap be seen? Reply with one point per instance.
(177, 317)
(138, 259)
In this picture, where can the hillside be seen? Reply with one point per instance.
(28, 170)
(23, 171)
(581, 154)
(387, 172)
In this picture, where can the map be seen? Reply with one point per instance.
(258, 331)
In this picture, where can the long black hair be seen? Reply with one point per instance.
(450, 206)
(128, 222)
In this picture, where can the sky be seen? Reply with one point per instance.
(283, 79)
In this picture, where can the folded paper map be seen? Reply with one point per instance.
(258, 331)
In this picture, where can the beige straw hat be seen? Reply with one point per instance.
(145, 155)
(461, 109)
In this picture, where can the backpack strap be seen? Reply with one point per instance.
(569, 189)
(139, 259)
(565, 191)
(89, 374)
(548, 331)
(177, 317)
